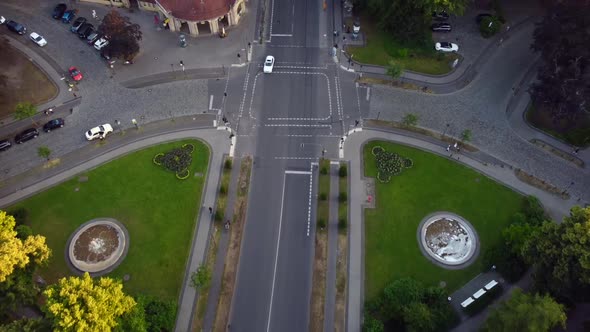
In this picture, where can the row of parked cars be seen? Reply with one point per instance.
(80, 26)
(31, 133)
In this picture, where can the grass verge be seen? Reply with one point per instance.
(433, 184)
(342, 260)
(158, 210)
(203, 299)
(233, 253)
(320, 260)
(381, 48)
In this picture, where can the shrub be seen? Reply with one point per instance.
(408, 163)
(489, 26)
(183, 175)
(342, 171)
(21, 215)
(222, 190)
(342, 224)
(228, 164)
(201, 278)
(321, 223)
(218, 215)
(177, 160)
(389, 164)
(410, 120)
(323, 196)
(158, 159)
(23, 231)
(533, 211)
(159, 315)
(324, 170)
(343, 197)
(377, 150)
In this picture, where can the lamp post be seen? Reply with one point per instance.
(182, 65)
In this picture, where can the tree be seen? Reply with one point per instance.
(563, 87)
(83, 304)
(373, 325)
(466, 135)
(560, 255)
(124, 35)
(27, 325)
(395, 69)
(44, 152)
(526, 312)
(489, 26)
(418, 317)
(410, 120)
(201, 278)
(159, 315)
(24, 111)
(17, 253)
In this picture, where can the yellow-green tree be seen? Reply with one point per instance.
(83, 304)
(15, 252)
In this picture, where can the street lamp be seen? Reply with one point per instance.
(182, 65)
(240, 58)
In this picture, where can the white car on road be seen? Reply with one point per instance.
(446, 47)
(99, 132)
(99, 44)
(38, 39)
(269, 63)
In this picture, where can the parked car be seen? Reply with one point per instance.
(446, 47)
(38, 39)
(75, 73)
(5, 145)
(441, 27)
(440, 15)
(53, 124)
(78, 24)
(68, 16)
(2, 20)
(480, 17)
(99, 132)
(102, 42)
(26, 135)
(16, 27)
(85, 30)
(269, 64)
(93, 37)
(59, 11)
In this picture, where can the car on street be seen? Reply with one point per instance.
(441, 27)
(38, 39)
(59, 11)
(85, 30)
(102, 42)
(2, 20)
(93, 37)
(269, 64)
(5, 145)
(440, 15)
(99, 132)
(481, 16)
(75, 73)
(26, 135)
(68, 16)
(446, 47)
(77, 24)
(16, 27)
(53, 124)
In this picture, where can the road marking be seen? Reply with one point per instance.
(334, 162)
(296, 158)
(358, 101)
(308, 135)
(281, 35)
(211, 102)
(245, 89)
(272, 15)
(298, 172)
(274, 275)
(298, 67)
(288, 46)
(296, 125)
(309, 204)
(297, 119)
(368, 93)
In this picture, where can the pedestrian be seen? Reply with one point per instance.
(448, 147)
(225, 94)
(458, 149)
(210, 210)
(50, 111)
(75, 95)
(575, 152)
(455, 146)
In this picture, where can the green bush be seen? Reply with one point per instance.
(218, 215)
(321, 223)
(323, 196)
(489, 26)
(228, 164)
(159, 315)
(342, 224)
(21, 215)
(343, 197)
(533, 211)
(389, 164)
(183, 175)
(222, 190)
(324, 170)
(23, 231)
(342, 171)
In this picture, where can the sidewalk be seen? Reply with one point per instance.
(557, 207)
(330, 301)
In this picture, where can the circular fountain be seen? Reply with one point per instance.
(98, 246)
(448, 240)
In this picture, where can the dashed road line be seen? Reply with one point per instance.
(309, 204)
(296, 158)
(245, 89)
(297, 125)
(298, 67)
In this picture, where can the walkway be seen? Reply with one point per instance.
(330, 301)
(353, 149)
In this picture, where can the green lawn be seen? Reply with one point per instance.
(380, 48)
(433, 184)
(157, 209)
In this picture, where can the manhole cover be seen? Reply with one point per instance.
(83, 179)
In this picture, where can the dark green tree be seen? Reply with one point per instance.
(124, 36)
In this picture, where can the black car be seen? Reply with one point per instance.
(441, 27)
(5, 144)
(16, 27)
(85, 30)
(77, 24)
(26, 135)
(480, 17)
(53, 124)
(59, 11)
(440, 16)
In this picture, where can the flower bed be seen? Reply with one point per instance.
(389, 163)
(176, 160)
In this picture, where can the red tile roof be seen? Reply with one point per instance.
(197, 10)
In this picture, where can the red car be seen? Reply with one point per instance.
(75, 73)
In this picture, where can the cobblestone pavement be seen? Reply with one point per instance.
(481, 108)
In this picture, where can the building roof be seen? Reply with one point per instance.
(196, 10)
